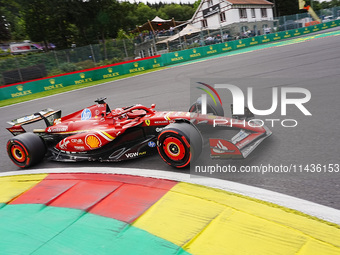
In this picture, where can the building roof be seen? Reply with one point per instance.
(188, 30)
(156, 24)
(257, 2)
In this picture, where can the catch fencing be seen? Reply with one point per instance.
(134, 66)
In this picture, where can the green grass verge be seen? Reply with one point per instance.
(69, 88)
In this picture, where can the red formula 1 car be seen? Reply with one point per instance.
(97, 133)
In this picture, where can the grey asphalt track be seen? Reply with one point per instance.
(313, 64)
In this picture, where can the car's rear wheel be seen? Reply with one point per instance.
(179, 144)
(26, 149)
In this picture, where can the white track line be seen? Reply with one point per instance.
(304, 206)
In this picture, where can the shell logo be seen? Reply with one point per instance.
(57, 121)
(92, 141)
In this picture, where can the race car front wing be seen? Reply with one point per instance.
(239, 147)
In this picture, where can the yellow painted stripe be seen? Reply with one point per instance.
(13, 186)
(277, 214)
(178, 217)
(209, 221)
(108, 135)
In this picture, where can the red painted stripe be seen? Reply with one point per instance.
(130, 179)
(128, 202)
(121, 197)
(85, 194)
(44, 192)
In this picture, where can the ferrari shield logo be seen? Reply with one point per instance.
(147, 122)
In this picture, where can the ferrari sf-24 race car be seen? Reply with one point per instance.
(98, 133)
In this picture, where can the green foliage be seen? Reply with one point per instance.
(68, 67)
(176, 11)
(193, 45)
(110, 61)
(123, 35)
(285, 7)
(63, 61)
(66, 22)
(144, 13)
(4, 30)
(87, 64)
(196, 4)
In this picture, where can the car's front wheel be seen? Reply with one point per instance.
(179, 144)
(26, 150)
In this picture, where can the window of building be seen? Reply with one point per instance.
(142, 54)
(204, 23)
(150, 51)
(222, 17)
(264, 12)
(244, 29)
(243, 13)
(210, 3)
(253, 13)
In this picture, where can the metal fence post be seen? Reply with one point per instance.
(284, 22)
(126, 53)
(19, 71)
(93, 57)
(56, 58)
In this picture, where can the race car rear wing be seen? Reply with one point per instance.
(48, 115)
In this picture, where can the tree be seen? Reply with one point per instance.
(144, 13)
(196, 4)
(5, 34)
(285, 7)
(14, 22)
(35, 13)
(176, 11)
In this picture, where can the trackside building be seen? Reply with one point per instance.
(236, 15)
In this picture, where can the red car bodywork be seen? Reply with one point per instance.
(98, 133)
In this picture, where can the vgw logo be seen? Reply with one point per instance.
(131, 155)
(135, 154)
(239, 100)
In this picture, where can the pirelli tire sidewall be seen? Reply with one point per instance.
(26, 150)
(179, 144)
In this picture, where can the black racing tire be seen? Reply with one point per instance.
(26, 149)
(212, 107)
(179, 144)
